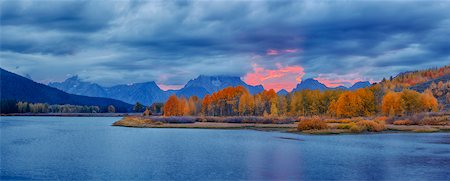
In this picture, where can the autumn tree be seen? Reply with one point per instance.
(429, 102)
(207, 109)
(349, 104)
(282, 105)
(246, 104)
(367, 101)
(183, 107)
(259, 105)
(194, 105)
(392, 104)
(408, 102)
(411, 101)
(274, 106)
(172, 106)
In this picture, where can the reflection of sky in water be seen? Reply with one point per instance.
(89, 148)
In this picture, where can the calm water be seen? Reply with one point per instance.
(89, 148)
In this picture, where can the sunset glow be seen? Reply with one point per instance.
(284, 77)
(333, 80)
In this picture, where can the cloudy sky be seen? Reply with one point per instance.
(274, 43)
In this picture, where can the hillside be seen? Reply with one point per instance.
(440, 87)
(19, 88)
(412, 78)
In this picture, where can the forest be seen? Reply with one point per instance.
(389, 98)
(237, 101)
(12, 106)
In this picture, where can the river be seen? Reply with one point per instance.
(86, 148)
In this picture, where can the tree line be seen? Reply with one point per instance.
(12, 106)
(237, 101)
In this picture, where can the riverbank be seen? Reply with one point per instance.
(332, 128)
(74, 114)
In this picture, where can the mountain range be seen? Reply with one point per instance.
(78, 92)
(146, 92)
(16, 87)
(149, 92)
(313, 84)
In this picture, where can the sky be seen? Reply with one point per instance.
(273, 43)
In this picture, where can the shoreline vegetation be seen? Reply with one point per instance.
(73, 114)
(302, 125)
(387, 106)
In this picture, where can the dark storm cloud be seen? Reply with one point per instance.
(174, 41)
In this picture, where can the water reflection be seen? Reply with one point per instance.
(89, 148)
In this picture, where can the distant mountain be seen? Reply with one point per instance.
(310, 84)
(203, 85)
(16, 87)
(145, 93)
(74, 85)
(192, 91)
(313, 84)
(341, 87)
(148, 92)
(282, 92)
(361, 84)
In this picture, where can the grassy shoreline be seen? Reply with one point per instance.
(74, 114)
(146, 122)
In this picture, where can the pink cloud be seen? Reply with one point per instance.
(272, 52)
(291, 50)
(284, 77)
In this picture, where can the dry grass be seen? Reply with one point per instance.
(132, 121)
(345, 126)
(436, 120)
(381, 118)
(440, 118)
(338, 121)
(418, 128)
(403, 122)
(314, 123)
(370, 126)
(248, 119)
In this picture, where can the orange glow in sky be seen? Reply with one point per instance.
(284, 77)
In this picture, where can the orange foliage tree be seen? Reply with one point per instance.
(392, 104)
(171, 107)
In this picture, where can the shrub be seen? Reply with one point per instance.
(370, 126)
(356, 129)
(174, 119)
(345, 126)
(338, 121)
(436, 120)
(380, 118)
(132, 121)
(403, 122)
(248, 119)
(311, 124)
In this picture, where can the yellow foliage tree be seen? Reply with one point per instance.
(392, 104)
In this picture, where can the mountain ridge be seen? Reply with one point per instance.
(313, 84)
(20, 88)
(149, 92)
